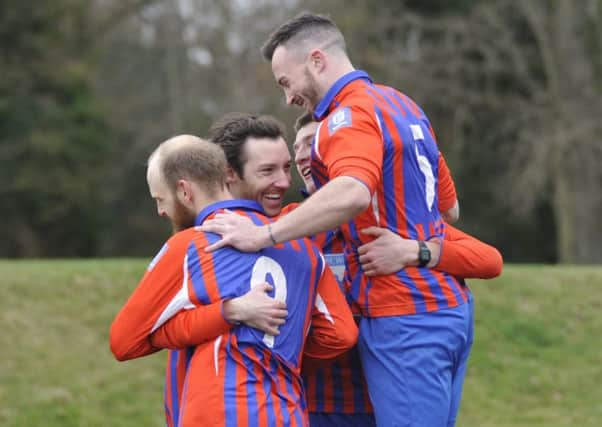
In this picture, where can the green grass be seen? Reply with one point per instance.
(537, 358)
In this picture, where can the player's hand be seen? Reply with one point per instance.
(236, 230)
(387, 253)
(257, 310)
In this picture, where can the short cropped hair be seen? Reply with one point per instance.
(194, 159)
(304, 27)
(232, 130)
(304, 119)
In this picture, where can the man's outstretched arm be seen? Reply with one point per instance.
(339, 201)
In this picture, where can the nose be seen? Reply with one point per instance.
(283, 180)
(289, 97)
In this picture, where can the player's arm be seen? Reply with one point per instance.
(460, 254)
(194, 327)
(334, 204)
(354, 158)
(131, 328)
(448, 199)
(463, 255)
(333, 329)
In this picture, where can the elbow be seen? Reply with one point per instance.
(496, 265)
(118, 345)
(349, 337)
(452, 215)
(499, 264)
(354, 336)
(359, 199)
(119, 353)
(120, 356)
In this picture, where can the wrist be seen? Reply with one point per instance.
(230, 311)
(434, 246)
(409, 249)
(271, 236)
(424, 254)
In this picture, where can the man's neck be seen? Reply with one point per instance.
(202, 202)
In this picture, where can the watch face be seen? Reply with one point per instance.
(424, 254)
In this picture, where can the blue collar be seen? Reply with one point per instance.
(249, 205)
(324, 105)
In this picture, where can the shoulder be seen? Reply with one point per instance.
(348, 117)
(173, 249)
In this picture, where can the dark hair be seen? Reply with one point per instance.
(303, 120)
(232, 130)
(303, 27)
(195, 159)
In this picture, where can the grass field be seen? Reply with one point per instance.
(537, 359)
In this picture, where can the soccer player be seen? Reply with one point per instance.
(336, 389)
(244, 377)
(258, 169)
(375, 162)
(259, 165)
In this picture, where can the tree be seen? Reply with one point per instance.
(52, 134)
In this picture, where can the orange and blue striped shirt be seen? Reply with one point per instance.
(380, 137)
(335, 385)
(244, 377)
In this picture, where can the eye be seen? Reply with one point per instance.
(283, 83)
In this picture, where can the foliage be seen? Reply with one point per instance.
(90, 88)
(52, 135)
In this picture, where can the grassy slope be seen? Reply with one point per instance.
(537, 359)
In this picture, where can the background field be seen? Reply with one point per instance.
(537, 359)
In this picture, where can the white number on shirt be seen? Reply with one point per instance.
(425, 168)
(264, 266)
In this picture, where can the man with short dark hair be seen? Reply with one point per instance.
(245, 376)
(259, 160)
(375, 162)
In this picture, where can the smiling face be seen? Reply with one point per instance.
(266, 173)
(293, 75)
(302, 149)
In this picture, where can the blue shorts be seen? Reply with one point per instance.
(415, 365)
(325, 419)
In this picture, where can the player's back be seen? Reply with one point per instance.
(246, 377)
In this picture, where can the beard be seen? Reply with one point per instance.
(310, 92)
(183, 218)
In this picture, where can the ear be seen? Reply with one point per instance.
(184, 191)
(317, 60)
(231, 175)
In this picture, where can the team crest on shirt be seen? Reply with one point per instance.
(158, 257)
(339, 120)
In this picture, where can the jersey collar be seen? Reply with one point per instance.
(247, 205)
(323, 107)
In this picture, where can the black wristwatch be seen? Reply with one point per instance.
(424, 254)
